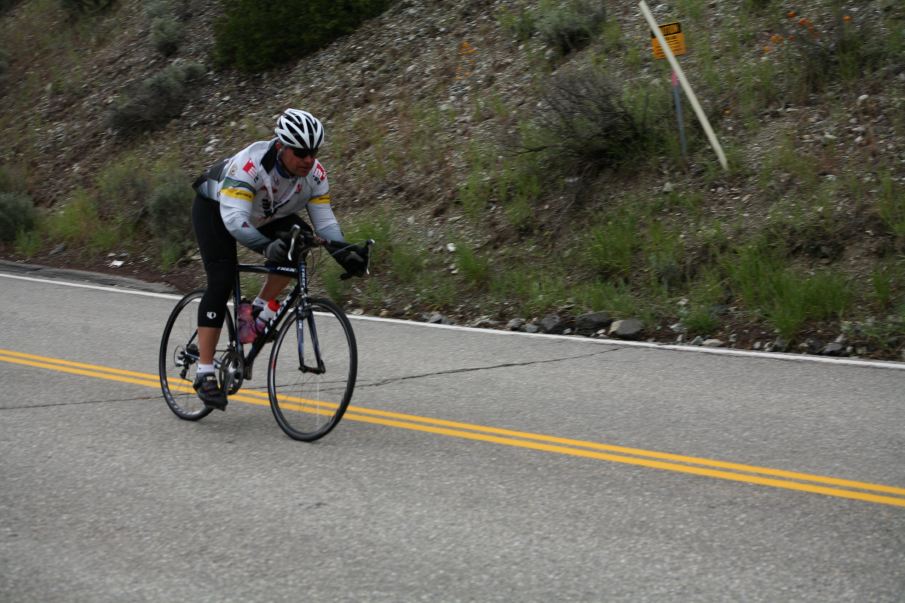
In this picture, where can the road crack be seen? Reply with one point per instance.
(85, 402)
(492, 367)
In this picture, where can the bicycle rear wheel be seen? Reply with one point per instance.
(178, 359)
(312, 371)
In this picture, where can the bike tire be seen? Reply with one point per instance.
(177, 360)
(308, 405)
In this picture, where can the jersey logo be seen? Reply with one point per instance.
(250, 169)
(320, 174)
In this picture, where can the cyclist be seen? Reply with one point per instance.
(252, 197)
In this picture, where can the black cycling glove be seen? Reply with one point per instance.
(277, 251)
(353, 259)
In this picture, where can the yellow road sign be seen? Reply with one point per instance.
(674, 37)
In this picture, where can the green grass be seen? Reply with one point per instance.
(887, 285)
(79, 222)
(511, 180)
(891, 205)
(789, 159)
(170, 254)
(477, 189)
(786, 297)
(473, 267)
(474, 193)
(421, 144)
(823, 296)
(701, 320)
(376, 224)
(613, 297)
(664, 251)
(520, 23)
(74, 221)
(436, 289)
(693, 10)
(609, 247)
(406, 261)
(28, 243)
(519, 188)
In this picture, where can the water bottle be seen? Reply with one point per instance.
(247, 331)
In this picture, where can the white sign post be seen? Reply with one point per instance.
(685, 85)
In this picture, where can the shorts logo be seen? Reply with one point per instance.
(212, 315)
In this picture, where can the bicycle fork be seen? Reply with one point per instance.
(300, 332)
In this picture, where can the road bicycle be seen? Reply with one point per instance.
(313, 362)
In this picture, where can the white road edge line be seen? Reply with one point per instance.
(172, 296)
(609, 342)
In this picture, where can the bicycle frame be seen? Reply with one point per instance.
(297, 298)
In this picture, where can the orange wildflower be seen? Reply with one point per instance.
(847, 18)
(792, 14)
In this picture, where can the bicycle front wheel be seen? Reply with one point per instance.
(178, 357)
(312, 371)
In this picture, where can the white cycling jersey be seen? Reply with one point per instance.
(252, 191)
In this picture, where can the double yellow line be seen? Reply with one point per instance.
(765, 476)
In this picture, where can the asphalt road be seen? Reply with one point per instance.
(473, 466)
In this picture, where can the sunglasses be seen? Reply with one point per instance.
(302, 153)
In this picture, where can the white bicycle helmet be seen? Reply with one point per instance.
(299, 129)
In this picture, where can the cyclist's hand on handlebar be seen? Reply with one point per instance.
(277, 251)
(353, 259)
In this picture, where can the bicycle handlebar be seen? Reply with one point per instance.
(308, 240)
